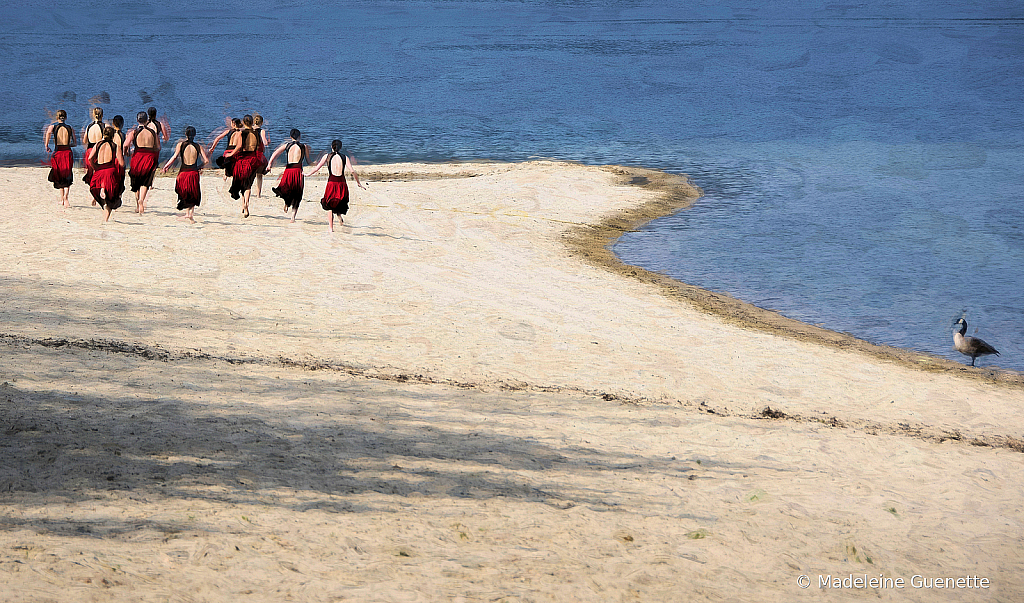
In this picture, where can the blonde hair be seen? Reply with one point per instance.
(257, 119)
(97, 113)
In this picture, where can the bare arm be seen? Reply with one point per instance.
(177, 152)
(165, 127)
(352, 170)
(220, 137)
(320, 164)
(46, 137)
(206, 158)
(266, 141)
(277, 152)
(129, 139)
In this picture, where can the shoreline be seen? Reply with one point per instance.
(594, 243)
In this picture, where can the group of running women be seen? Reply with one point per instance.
(244, 161)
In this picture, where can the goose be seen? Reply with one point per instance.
(971, 346)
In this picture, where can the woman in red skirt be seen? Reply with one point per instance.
(292, 183)
(92, 134)
(335, 198)
(107, 165)
(63, 157)
(145, 159)
(187, 184)
(233, 134)
(243, 173)
(261, 152)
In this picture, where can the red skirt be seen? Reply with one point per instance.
(88, 167)
(187, 188)
(261, 162)
(336, 195)
(290, 186)
(243, 173)
(60, 167)
(143, 168)
(106, 182)
(120, 175)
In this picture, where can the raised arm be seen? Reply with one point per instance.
(216, 141)
(276, 152)
(320, 164)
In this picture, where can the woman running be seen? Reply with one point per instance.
(261, 153)
(118, 124)
(233, 132)
(335, 199)
(91, 135)
(243, 173)
(107, 165)
(161, 126)
(145, 157)
(187, 184)
(291, 185)
(63, 157)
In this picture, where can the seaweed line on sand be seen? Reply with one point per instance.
(159, 354)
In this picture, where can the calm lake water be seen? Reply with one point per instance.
(862, 162)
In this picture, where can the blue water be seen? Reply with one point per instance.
(862, 162)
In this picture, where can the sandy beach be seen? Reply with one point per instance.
(461, 395)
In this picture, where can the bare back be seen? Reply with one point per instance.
(189, 154)
(104, 153)
(337, 165)
(62, 135)
(296, 152)
(94, 133)
(145, 138)
(250, 140)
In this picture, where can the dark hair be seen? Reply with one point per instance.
(247, 120)
(118, 121)
(62, 114)
(142, 117)
(336, 145)
(190, 133)
(108, 133)
(295, 133)
(152, 113)
(236, 122)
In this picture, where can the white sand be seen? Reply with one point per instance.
(509, 477)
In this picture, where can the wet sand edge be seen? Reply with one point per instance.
(593, 243)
